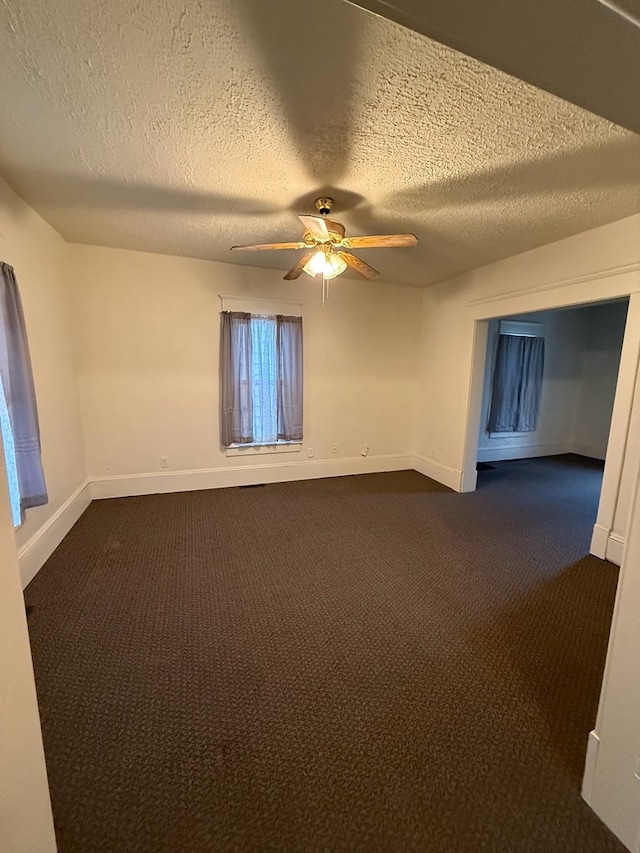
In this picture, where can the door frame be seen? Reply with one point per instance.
(611, 524)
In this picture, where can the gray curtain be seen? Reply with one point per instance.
(17, 380)
(290, 376)
(517, 384)
(236, 409)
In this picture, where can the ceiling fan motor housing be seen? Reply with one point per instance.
(324, 205)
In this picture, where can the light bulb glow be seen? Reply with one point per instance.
(317, 264)
(327, 265)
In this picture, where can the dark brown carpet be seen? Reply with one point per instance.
(367, 663)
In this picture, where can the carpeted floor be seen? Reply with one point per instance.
(367, 663)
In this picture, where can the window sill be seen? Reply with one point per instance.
(264, 449)
(493, 436)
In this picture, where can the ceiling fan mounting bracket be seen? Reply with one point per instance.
(324, 205)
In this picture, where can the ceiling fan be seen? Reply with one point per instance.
(326, 243)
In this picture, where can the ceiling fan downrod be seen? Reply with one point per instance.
(323, 206)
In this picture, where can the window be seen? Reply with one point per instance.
(260, 378)
(517, 381)
(18, 410)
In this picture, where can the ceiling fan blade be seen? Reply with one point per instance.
(315, 225)
(359, 266)
(382, 241)
(296, 269)
(262, 247)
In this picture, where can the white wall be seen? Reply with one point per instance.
(40, 258)
(603, 328)
(26, 824)
(612, 777)
(582, 357)
(147, 330)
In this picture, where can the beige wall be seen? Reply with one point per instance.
(147, 331)
(26, 825)
(612, 777)
(40, 258)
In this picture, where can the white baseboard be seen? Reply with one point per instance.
(34, 553)
(590, 767)
(469, 479)
(615, 548)
(522, 451)
(599, 541)
(244, 475)
(451, 477)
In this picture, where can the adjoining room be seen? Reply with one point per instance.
(549, 392)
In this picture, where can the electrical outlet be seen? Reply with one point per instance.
(310, 453)
(334, 448)
(164, 462)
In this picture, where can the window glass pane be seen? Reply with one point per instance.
(263, 379)
(10, 459)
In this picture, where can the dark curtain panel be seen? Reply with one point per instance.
(236, 411)
(290, 377)
(517, 384)
(17, 380)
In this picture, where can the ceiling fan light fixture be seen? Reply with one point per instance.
(327, 265)
(325, 243)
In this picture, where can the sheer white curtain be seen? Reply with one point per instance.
(263, 379)
(10, 458)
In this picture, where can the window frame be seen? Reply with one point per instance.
(261, 306)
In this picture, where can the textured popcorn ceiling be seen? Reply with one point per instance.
(585, 51)
(186, 127)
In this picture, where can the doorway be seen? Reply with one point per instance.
(591, 356)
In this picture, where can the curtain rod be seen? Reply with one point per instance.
(259, 298)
